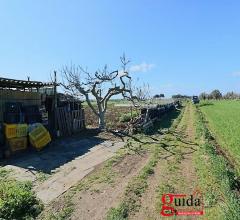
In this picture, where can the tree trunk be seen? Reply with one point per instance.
(101, 120)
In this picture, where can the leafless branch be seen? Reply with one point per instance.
(101, 85)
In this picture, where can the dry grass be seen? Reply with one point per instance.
(113, 116)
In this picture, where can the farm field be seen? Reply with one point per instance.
(121, 102)
(223, 119)
(118, 113)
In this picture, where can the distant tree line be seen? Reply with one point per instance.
(216, 94)
(158, 96)
(179, 96)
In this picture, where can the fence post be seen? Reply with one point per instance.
(55, 102)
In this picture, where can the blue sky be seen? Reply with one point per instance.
(177, 46)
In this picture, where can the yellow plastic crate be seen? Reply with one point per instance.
(10, 130)
(41, 141)
(16, 144)
(37, 132)
(22, 130)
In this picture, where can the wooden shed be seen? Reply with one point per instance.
(64, 116)
(24, 91)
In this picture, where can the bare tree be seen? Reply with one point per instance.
(100, 86)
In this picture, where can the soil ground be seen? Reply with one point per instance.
(174, 173)
(94, 204)
(83, 178)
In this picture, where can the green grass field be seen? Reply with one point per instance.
(224, 121)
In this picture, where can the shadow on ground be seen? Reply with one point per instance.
(162, 127)
(64, 150)
(58, 153)
(167, 120)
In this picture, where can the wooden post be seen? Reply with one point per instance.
(55, 102)
(29, 80)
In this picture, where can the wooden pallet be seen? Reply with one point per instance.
(64, 121)
(78, 120)
(70, 122)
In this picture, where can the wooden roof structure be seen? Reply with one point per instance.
(22, 84)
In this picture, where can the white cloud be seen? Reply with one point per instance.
(143, 67)
(236, 74)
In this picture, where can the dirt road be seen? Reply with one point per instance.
(176, 174)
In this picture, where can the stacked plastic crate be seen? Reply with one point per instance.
(16, 136)
(32, 114)
(15, 131)
(12, 113)
(39, 137)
